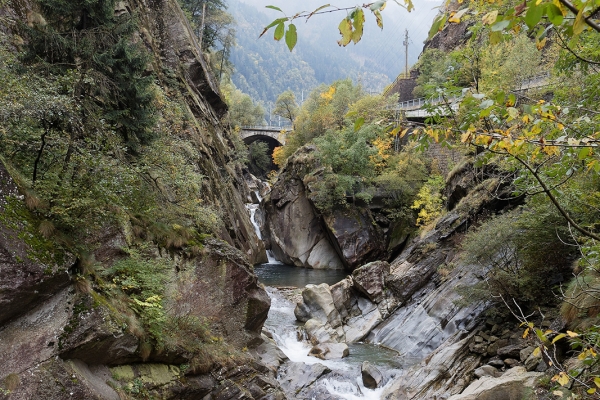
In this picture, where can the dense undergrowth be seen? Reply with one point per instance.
(101, 145)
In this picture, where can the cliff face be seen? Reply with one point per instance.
(68, 333)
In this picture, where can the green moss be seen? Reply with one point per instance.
(18, 218)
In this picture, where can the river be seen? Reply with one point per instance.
(345, 380)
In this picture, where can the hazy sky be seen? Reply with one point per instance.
(395, 19)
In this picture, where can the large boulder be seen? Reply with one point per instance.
(371, 375)
(329, 351)
(318, 302)
(293, 228)
(356, 235)
(370, 279)
(514, 384)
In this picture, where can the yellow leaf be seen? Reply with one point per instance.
(561, 378)
(453, 19)
(572, 334)
(582, 355)
(526, 118)
(591, 391)
(490, 17)
(597, 381)
(540, 44)
(465, 137)
(526, 333)
(558, 337)
(537, 352)
(579, 24)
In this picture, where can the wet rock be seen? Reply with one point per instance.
(330, 351)
(320, 332)
(516, 383)
(486, 370)
(370, 279)
(343, 296)
(510, 362)
(318, 301)
(269, 354)
(32, 269)
(296, 376)
(357, 328)
(532, 362)
(371, 375)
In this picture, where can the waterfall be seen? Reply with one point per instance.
(252, 209)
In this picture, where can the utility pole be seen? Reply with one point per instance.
(202, 24)
(405, 43)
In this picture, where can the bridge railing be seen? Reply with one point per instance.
(529, 83)
(266, 127)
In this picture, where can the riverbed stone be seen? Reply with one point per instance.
(296, 376)
(319, 332)
(319, 302)
(330, 351)
(371, 375)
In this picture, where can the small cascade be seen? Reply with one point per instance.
(344, 382)
(252, 209)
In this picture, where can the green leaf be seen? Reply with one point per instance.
(274, 8)
(438, 25)
(583, 153)
(558, 337)
(279, 31)
(359, 122)
(377, 5)
(358, 23)
(345, 28)
(554, 14)
(579, 24)
(500, 25)
(378, 18)
(534, 14)
(317, 10)
(272, 24)
(291, 37)
(540, 335)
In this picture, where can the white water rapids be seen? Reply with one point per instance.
(347, 382)
(344, 381)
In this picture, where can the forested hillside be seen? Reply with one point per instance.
(264, 68)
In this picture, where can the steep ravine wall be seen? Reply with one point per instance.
(61, 339)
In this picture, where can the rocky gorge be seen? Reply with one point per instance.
(172, 307)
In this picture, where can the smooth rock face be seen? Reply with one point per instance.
(319, 301)
(294, 230)
(356, 236)
(371, 376)
(297, 376)
(370, 279)
(330, 351)
(516, 383)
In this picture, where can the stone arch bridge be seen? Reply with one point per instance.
(273, 135)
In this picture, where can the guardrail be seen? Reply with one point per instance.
(414, 104)
(267, 128)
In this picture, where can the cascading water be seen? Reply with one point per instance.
(252, 209)
(344, 381)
